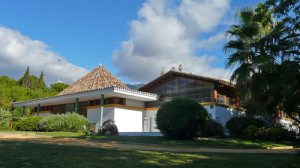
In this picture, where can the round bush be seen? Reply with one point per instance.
(28, 124)
(213, 129)
(237, 125)
(181, 118)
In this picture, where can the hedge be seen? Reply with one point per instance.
(236, 125)
(28, 124)
(69, 122)
(5, 119)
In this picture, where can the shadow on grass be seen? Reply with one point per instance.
(225, 143)
(25, 154)
(210, 142)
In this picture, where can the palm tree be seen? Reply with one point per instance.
(244, 49)
(249, 56)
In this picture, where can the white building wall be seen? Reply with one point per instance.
(93, 115)
(150, 121)
(128, 120)
(135, 103)
(224, 114)
(211, 111)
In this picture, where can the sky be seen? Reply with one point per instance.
(133, 39)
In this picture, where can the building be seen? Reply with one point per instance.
(100, 96)
(217, 96)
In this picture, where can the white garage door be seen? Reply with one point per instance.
(128, 120)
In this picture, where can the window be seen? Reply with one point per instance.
(110, 100)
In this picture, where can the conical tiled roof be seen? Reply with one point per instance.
(98, 78)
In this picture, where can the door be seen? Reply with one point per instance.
(146, 124)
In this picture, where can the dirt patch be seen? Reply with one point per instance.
(20, 135)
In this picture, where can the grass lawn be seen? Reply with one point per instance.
(211, 142)
(25, 154)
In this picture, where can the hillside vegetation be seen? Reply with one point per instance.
(26, 88)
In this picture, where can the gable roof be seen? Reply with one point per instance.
(158, 81)
(98, 78)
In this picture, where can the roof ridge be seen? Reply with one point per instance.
(98, 78)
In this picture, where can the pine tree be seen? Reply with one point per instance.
(25, 80)
(42, 76)
(41, 80)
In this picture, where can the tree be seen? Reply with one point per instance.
(283, 43)
(12, 90)
(25, 80)
(181, 118)
(245, 52)
(58, 87)
(41, 80)
(265, 47)
(32, 81)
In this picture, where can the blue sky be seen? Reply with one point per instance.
(87, 33)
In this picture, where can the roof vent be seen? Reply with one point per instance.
(180, 68)
(162, 71)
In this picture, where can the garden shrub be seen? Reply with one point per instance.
(69, 122)
(76, 122)
(275, 133)
(5, 119)
(181, 118)
(52, 123)
(28, 124)
(250, 132)
(213, 129)
(236, 125)
(272, 133)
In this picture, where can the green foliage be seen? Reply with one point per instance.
(252, 128)
(265, 47)
(5, 119)
(28, 124)
(236, 125)
(212, 129)
(58, 87)
(69, 122)
(250, 132)
(25, 80)
(31, 81)
(273, 133)
(181, 118)
(28, 87)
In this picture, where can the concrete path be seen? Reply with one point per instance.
(41, 139)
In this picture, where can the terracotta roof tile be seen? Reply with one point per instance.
(98, 78)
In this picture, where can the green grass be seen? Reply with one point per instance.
(25, 154)
(211, 142)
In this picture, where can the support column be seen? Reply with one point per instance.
(38, 109)
(101, 109)
(23, 110)
(76, 106)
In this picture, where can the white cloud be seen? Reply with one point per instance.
(18, 51)
(165, 35)
(212, 42)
